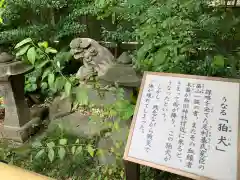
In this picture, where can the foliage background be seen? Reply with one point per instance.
(180, 36)
(177, 36)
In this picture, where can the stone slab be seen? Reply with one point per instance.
(124, 58)
(39, 111)
(60, 107)
(122, 74)
(108, 96)
(79, 125)
(20, 134)
(16, 109)
(14, 68)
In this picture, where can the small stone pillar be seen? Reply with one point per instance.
(16, 124)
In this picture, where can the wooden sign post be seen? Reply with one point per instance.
(187, 125)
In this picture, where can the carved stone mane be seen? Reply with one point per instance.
(95, 58)
(98, 60)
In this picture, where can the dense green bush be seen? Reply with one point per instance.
(59, 21)
(63, 156)
(49, 65)
(184, 37)
(180, 36)
(45, 19)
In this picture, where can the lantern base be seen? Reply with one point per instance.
(20, 134)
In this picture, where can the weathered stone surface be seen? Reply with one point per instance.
(92, 50)
(120, 135)
(106, 143)
(85, 43)
(106, 158)
(5, 57)
(99, 61)
(108, 97)
(95, 57)
(14, 68)
(59, 107)
(79, 125)
(123, 75)
(84, 73)
(16, 124)
(124, 58)
(39, 111)
(20, 134)
(94, 98)
(75, 51)
(16, 109)
(75, 43)
(78, 56)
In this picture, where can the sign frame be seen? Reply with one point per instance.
(162, 167)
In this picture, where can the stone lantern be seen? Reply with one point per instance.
(16, 124)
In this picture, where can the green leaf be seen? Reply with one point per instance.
(58, 64)
(61, 153)
(32, 79)
(34, 87)
(99, 177)
(121, 104)
(44, 85)
(39, 154)
(30, 87)
(77, 141)
(75, 105)
(143, 51)
(78, 150)
(46, 73)
(122, 174)
(113, 112)
(36, 144)
(218, 61)
(159, 58)
(128, 113)
(22, 150)
(67, 87)
(51, 50)
(59, 83)
(51, 154)
(93, 176)
(73, 150)
(25, 41)
(90, 150)
(31, 54)
(42, 64)
(43, 44)
(63, 141)
(62, 57)
(51, 78)
(134, 2)
(82, 96)
(22, 51)
(51, 145)
(116, 126)
(100, 152)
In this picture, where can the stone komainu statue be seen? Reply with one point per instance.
(98, 60)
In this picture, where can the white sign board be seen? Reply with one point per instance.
(187, 125)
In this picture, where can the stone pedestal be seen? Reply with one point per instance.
(16, 123)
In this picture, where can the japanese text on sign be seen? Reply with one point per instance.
(188, 124)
